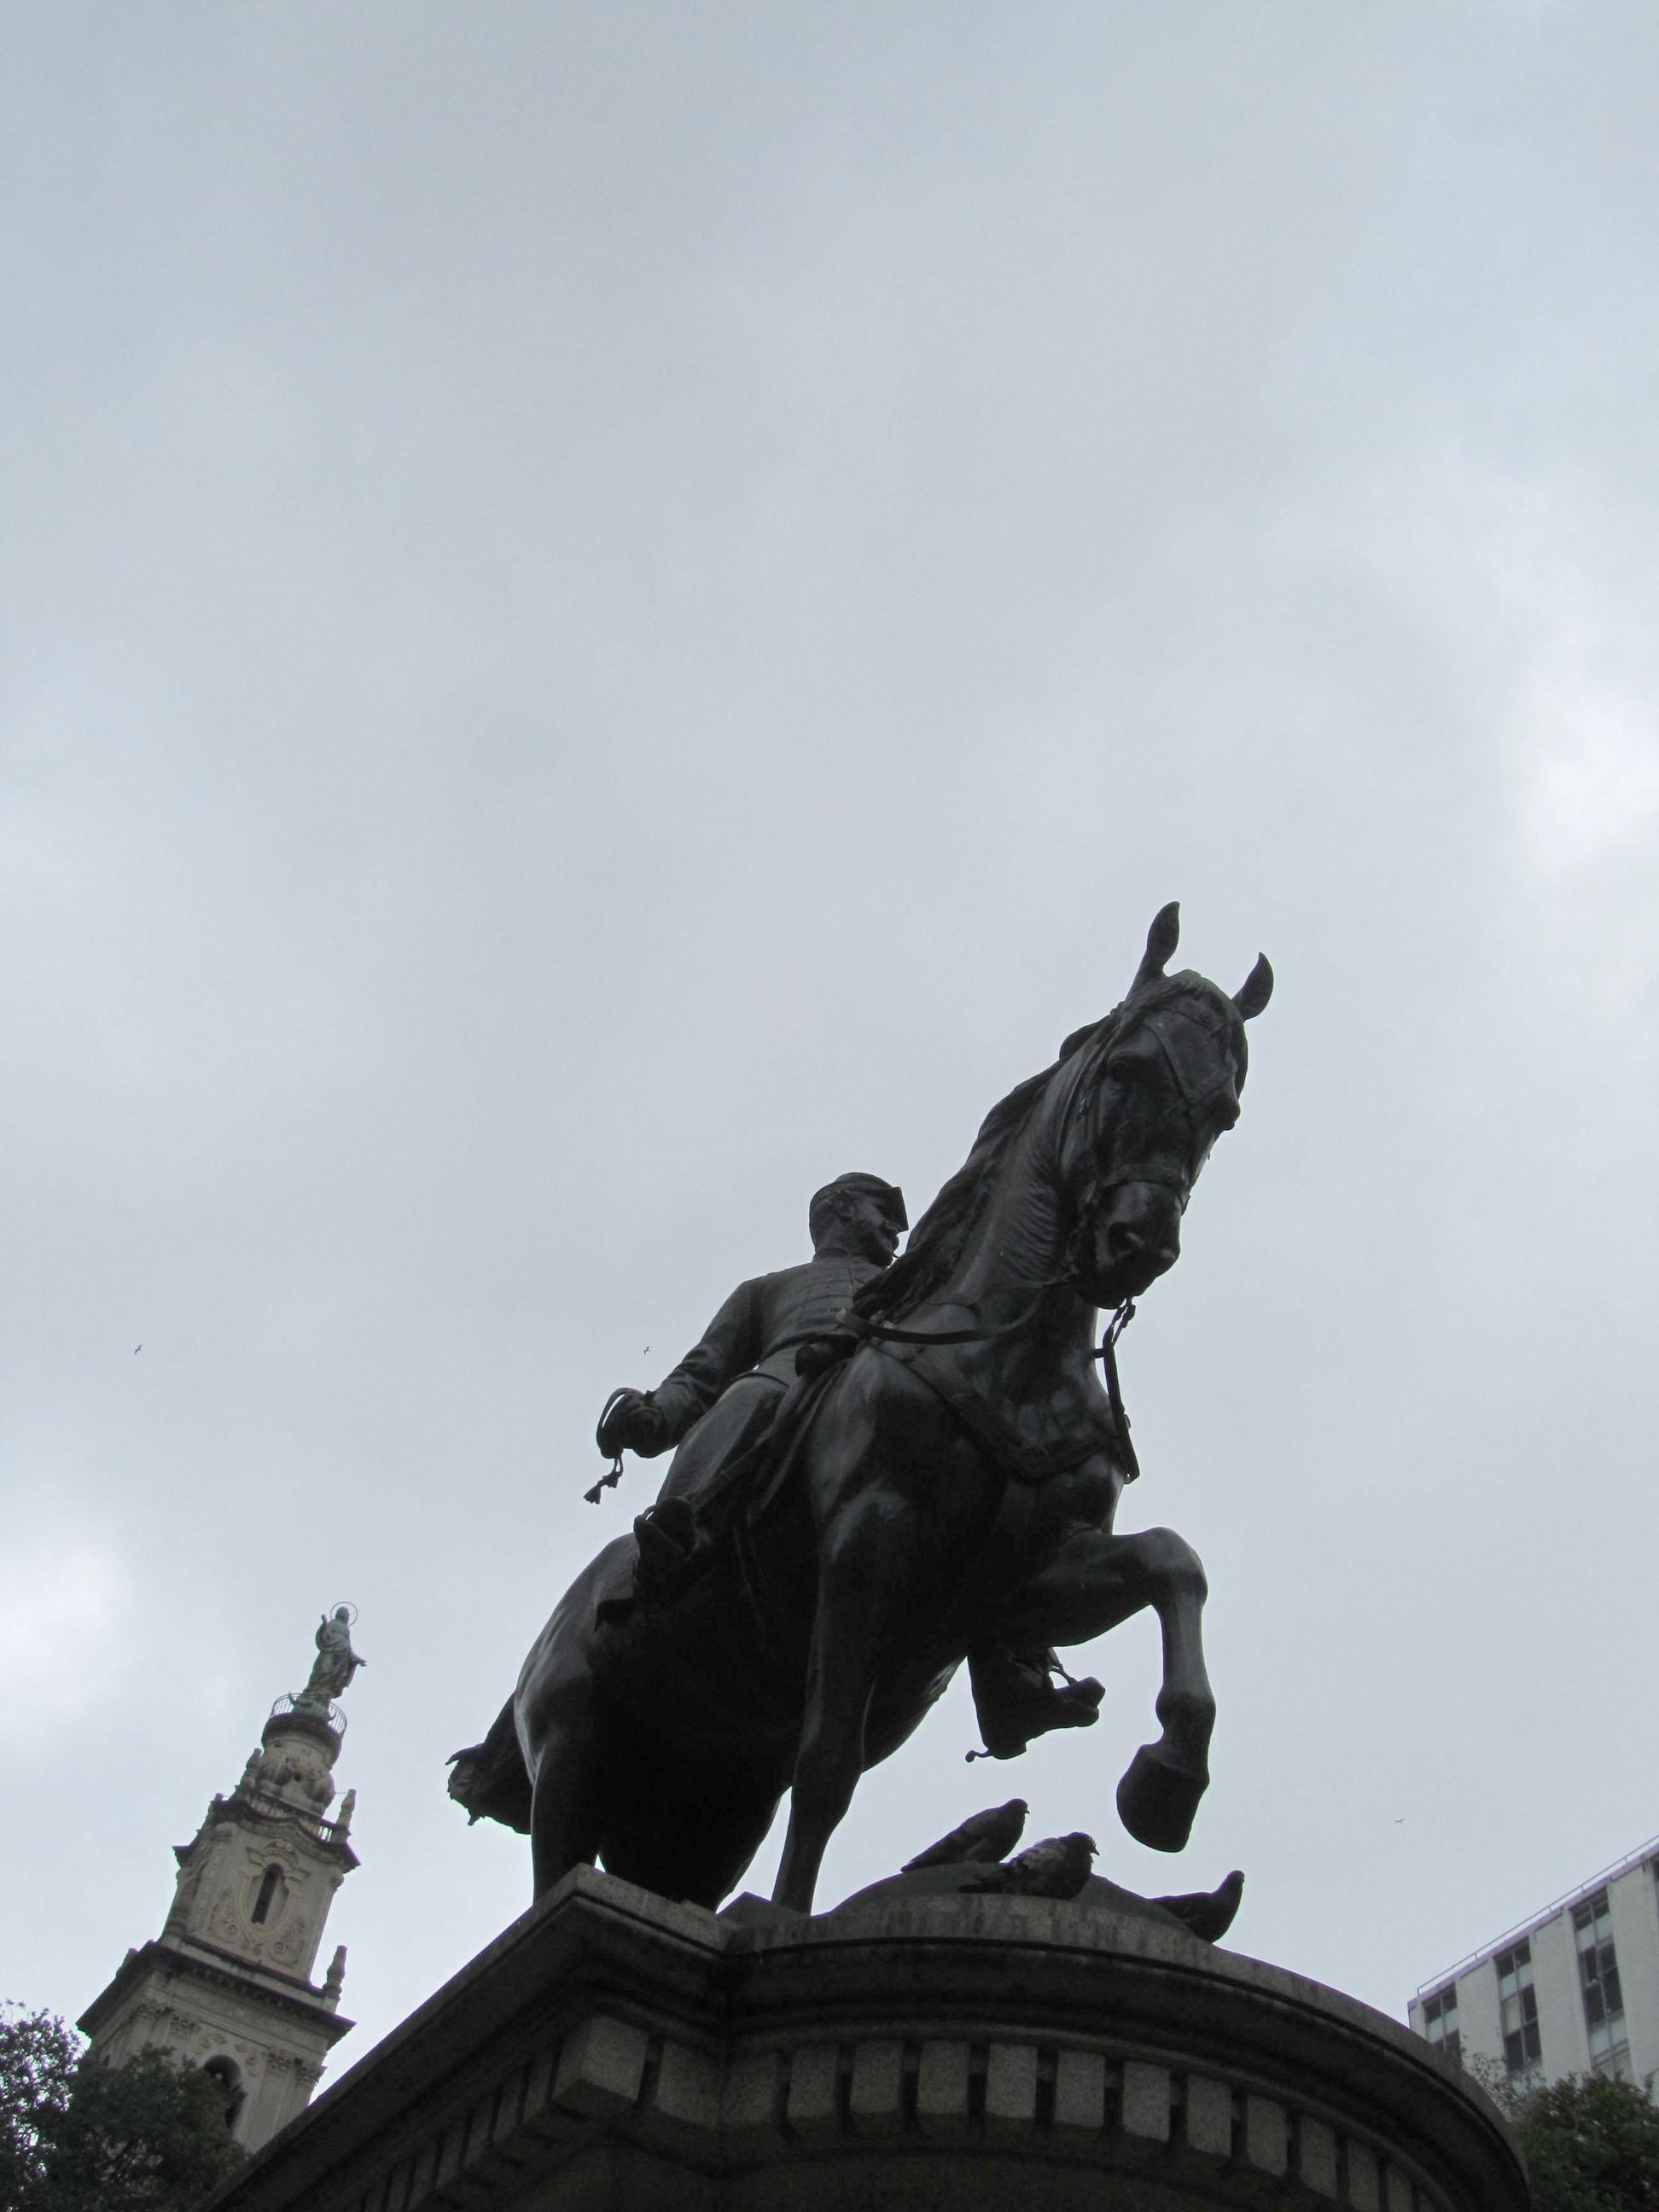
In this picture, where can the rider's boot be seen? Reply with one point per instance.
(666, 1534)
(1016, 1698)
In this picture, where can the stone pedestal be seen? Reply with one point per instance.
(973, 2053)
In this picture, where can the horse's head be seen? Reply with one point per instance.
(1160, 1080)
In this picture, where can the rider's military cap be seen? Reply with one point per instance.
(890, 1193)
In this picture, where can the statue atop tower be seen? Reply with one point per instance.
(227, 1985)
(336, 1662)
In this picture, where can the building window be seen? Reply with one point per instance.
(1517, 2008)
(227, 2079)
(1598, 1981)
(1440, 2020)
(269, 1896)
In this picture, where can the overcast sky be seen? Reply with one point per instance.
(610, 611)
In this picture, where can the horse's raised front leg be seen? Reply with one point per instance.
(1093, 1582)
(861, 1571)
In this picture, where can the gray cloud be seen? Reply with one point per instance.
(607, 615)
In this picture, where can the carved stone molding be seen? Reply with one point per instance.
(977, 2053)
(288, 1945)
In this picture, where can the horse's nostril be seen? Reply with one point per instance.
(1122, 1240)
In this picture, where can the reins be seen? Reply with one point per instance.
(883, 1332)
(887, 1332)
(1108, 1357)
(865, 1327)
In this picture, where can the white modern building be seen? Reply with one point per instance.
(1574, 1990)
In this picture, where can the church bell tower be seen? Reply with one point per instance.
(228, 1984)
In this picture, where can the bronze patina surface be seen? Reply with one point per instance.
(939, 1486)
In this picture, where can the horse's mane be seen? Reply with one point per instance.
(937, 1240)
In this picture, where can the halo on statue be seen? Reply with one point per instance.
(345, 1606)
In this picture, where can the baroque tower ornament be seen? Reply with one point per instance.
(336, 1662)
(228, 1983)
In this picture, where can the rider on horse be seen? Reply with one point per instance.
(725, 1393)
(723, 1398)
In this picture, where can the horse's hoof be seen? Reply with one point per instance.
(1158, 1798)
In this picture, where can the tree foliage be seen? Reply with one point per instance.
(1591, 2145)
(38, 2059)
(77, 2137)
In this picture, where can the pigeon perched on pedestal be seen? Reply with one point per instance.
(1208, 1913)
(1056, 1867)
(981, 1840)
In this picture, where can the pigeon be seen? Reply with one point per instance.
(984, 1838)
(1056, 1867)
(1208, 1913)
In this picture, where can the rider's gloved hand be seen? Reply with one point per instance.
(633, 1423)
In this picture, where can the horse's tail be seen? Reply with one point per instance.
(490, 1778)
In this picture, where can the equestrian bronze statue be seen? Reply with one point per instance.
(938, 1486)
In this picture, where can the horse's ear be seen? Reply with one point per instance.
(1256, 989)
(1161, 939)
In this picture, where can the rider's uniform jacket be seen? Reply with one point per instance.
(757, 1331)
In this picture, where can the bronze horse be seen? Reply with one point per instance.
(949, 1485)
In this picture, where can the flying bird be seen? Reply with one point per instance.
(1208, 1913)
(982, 1839)
(1056, 1867)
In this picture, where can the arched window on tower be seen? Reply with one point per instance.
(268, 1902)
(227, 2079)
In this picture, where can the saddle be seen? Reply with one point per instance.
(681, 1541)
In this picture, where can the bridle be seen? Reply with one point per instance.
(1190, 1106)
